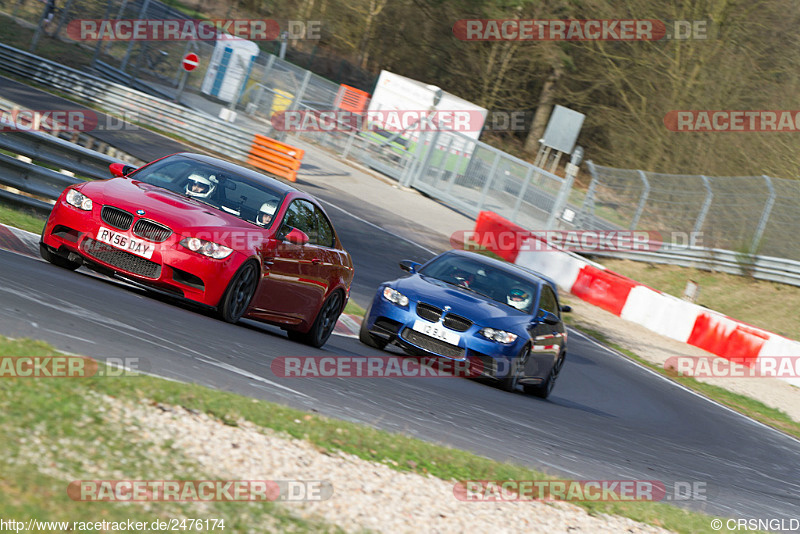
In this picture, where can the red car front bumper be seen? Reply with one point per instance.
(171, 267)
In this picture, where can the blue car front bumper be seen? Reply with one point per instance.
(395, 324)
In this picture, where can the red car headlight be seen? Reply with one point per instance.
(79, 200)
(206, 248)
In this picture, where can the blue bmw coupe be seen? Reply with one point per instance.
(504, 319)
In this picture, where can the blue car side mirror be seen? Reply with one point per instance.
(546, 317)
(409, 266)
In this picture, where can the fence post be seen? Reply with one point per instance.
(443, 166)
(458, 168)
(410, 171)
(489, 181)
(142, 15)
(588, 201)
(297, 100)
(642, 200)
(762, 223)
(522, 191)
(426, 163)
(562, 197)
(701, 217)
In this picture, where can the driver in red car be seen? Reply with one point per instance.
(265, 213)
(199, 186)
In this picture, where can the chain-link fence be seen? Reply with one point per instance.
(755, 215)
(462, 172)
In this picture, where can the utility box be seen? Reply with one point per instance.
(229, 68)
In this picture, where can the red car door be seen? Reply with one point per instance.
(291, 290)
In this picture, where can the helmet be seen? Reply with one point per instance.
(199, 186)
(519, 298)
(463, 277)
(265, 213)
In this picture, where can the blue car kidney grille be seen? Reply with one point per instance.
(456, 322)
(428, 312)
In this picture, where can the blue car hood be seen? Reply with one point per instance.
(481, 310)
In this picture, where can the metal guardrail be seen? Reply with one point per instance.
(34, 180)
(196, 127)
(38, 180)
(51, 150)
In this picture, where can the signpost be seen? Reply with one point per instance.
(189, 62)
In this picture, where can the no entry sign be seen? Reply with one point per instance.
(190, 62)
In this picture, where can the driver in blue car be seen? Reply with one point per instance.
(519, 298)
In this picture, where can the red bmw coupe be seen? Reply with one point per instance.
(212, 232)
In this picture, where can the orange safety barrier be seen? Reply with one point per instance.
(275, 157)
(351, 99)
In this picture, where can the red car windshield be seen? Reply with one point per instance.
(239, 196)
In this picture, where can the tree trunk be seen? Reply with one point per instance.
(543, 109)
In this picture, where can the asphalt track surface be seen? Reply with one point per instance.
(608, 418)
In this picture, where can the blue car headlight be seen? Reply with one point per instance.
(500, 336)
(395, 297)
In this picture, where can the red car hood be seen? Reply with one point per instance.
(183, 215)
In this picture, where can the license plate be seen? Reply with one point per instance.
(126, 242)
(436, 330)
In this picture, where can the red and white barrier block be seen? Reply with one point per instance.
(635, 302)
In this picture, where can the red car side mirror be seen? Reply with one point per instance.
(120, 169)
(298, 237)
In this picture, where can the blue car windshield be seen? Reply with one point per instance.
(486, 280)
(241, 197)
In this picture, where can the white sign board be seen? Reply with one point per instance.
(398, 93)
(563, 129)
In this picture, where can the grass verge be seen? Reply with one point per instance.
(62, 416)
(56, 431)
(21, 219)
(354, 309)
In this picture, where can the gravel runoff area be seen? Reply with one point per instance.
(367, 496)
(656, 348)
